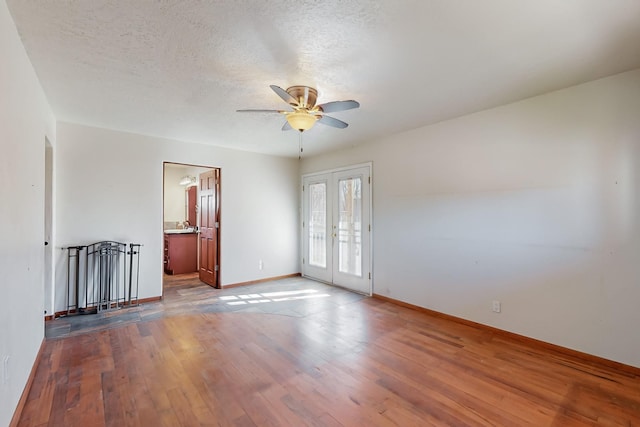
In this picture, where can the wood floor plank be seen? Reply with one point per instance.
(342, 360)
(345, 382)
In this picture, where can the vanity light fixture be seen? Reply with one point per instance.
(188, 180)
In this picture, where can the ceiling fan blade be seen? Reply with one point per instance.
(331, 107)
(286, 126)
(260, 111)
(330, 121)
(284, 95)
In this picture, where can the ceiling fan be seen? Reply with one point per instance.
(305, 112)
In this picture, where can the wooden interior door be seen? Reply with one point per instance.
(209, 226)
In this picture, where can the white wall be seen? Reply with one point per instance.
(109, 187)
(534, 204)
(25, 121)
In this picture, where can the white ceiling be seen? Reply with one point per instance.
(180, 69)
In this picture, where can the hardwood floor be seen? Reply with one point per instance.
(337, 360)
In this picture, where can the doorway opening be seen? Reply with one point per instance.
(336, 227)
(191, 222)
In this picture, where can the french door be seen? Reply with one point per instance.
(336, 228)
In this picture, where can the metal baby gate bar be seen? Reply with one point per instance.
(102, 276)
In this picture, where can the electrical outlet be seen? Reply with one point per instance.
(496, 306)
(260, 265)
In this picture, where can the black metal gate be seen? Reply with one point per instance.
(102, 276)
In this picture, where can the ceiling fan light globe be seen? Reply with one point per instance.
(301, 121)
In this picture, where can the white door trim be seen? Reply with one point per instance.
(330, 172)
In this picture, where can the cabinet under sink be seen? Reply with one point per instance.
(180, 251)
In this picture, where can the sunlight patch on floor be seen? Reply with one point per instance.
(269, 297)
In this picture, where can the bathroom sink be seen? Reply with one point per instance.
(180, 231)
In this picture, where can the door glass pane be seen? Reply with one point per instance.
(318, 224)
(350, 226)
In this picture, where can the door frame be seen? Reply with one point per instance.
(49, 212)
(219, 201)
(368, 165)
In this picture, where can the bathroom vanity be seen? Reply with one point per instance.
(180, 251)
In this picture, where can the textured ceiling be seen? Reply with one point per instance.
(180, 69)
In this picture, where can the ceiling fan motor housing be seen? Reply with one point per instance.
(305, 95)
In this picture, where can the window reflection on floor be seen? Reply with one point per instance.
(272, 297)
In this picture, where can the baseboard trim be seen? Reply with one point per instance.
(65, 312)
(585, 357)
(150, 299)
(254, 282)
(17, 414)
